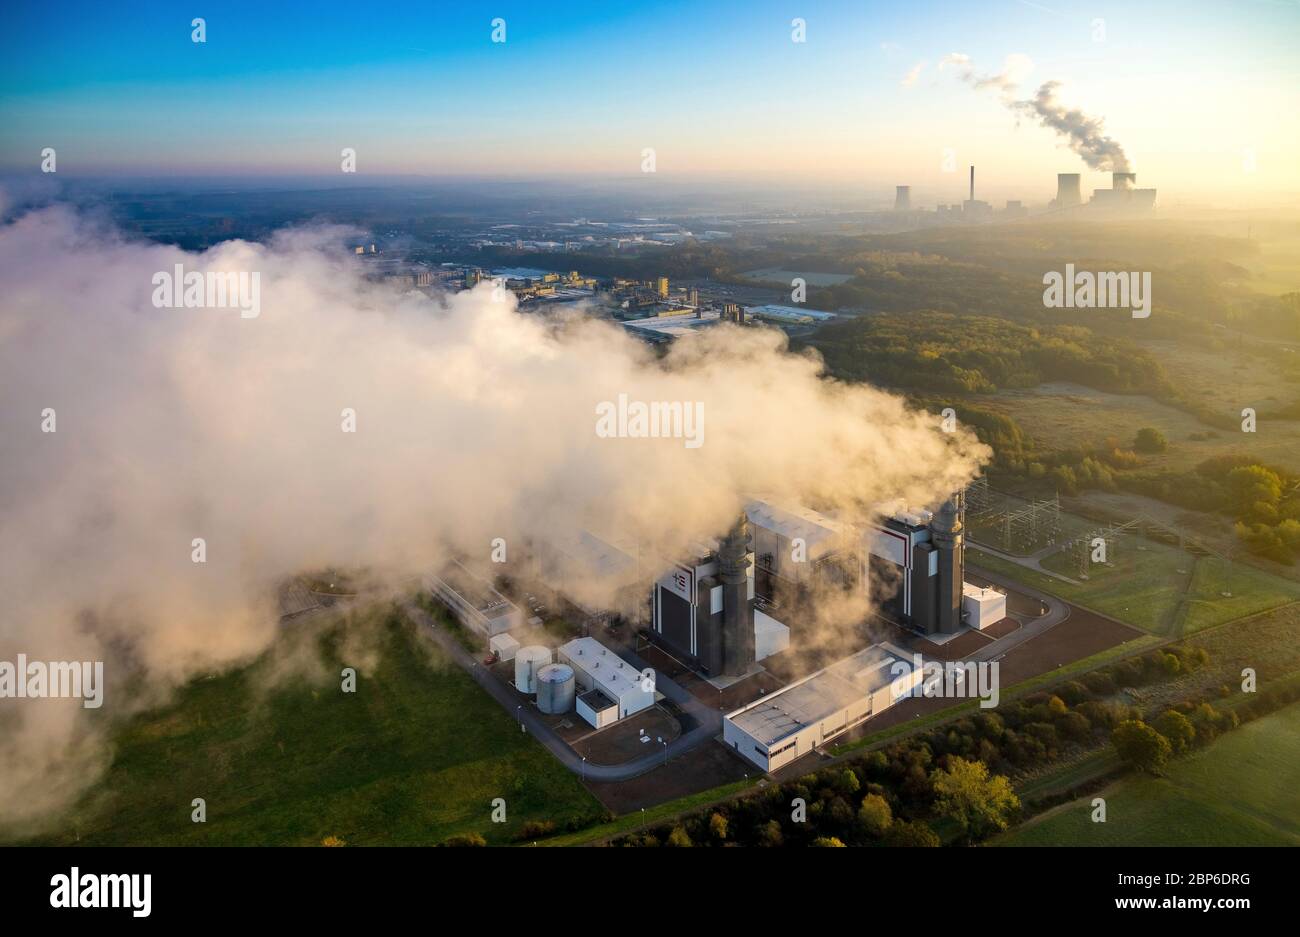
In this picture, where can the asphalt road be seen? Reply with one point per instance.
(1057, 612)
(708, 722)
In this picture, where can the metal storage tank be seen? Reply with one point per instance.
(556, 685)
(529, 660)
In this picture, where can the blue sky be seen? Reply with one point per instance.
(582, 88)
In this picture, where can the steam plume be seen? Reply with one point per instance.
(1083, 134)
(473, 422)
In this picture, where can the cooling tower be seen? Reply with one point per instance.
(1068, 191)
(903, 198)
(1123, 180)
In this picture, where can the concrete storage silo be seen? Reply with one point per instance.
(556, 688)
(529, 660)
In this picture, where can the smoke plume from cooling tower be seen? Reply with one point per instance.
(473, 422)
(1083, 134)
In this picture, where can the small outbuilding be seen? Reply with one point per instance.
(503, 646)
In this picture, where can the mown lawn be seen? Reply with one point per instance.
(415, 755)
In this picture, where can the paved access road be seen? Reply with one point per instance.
(1057, 612)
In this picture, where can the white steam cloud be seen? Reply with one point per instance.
(473, 422)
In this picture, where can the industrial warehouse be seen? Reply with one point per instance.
(790, 723)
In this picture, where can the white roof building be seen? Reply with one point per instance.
(598, 668)
(788, 724)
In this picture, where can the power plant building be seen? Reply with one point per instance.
(731, 606)
(702, 609)
(910, 562)
(1123, 196)
(786, 725)
(917, 558)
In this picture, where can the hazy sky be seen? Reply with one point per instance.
(1202, 96)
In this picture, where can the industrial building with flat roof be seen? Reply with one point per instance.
(473, 600)
(664, 328)
(789, 314)
(611, 688)
(788, 724)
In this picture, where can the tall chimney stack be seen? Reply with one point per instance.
(737, 607)
(946, 535)
(972, 183)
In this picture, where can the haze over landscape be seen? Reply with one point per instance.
(612, 410)
(1198, 96)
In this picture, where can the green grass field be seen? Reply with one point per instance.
(1253, 590)
(416, 755)
(1142, 586)
(1152, 585)
(1241, 791)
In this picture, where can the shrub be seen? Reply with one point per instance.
(911, 833)
(1074, 693)
(718, 827)
(1100, 683)
(679, 838)
(847, 782)
(1150, 439)
(1141, 746)
(465, 839)
(536, 829)
(769, 834)
(1074, 726)
(1177, 728)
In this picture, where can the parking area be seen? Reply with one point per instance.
(632, 737)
